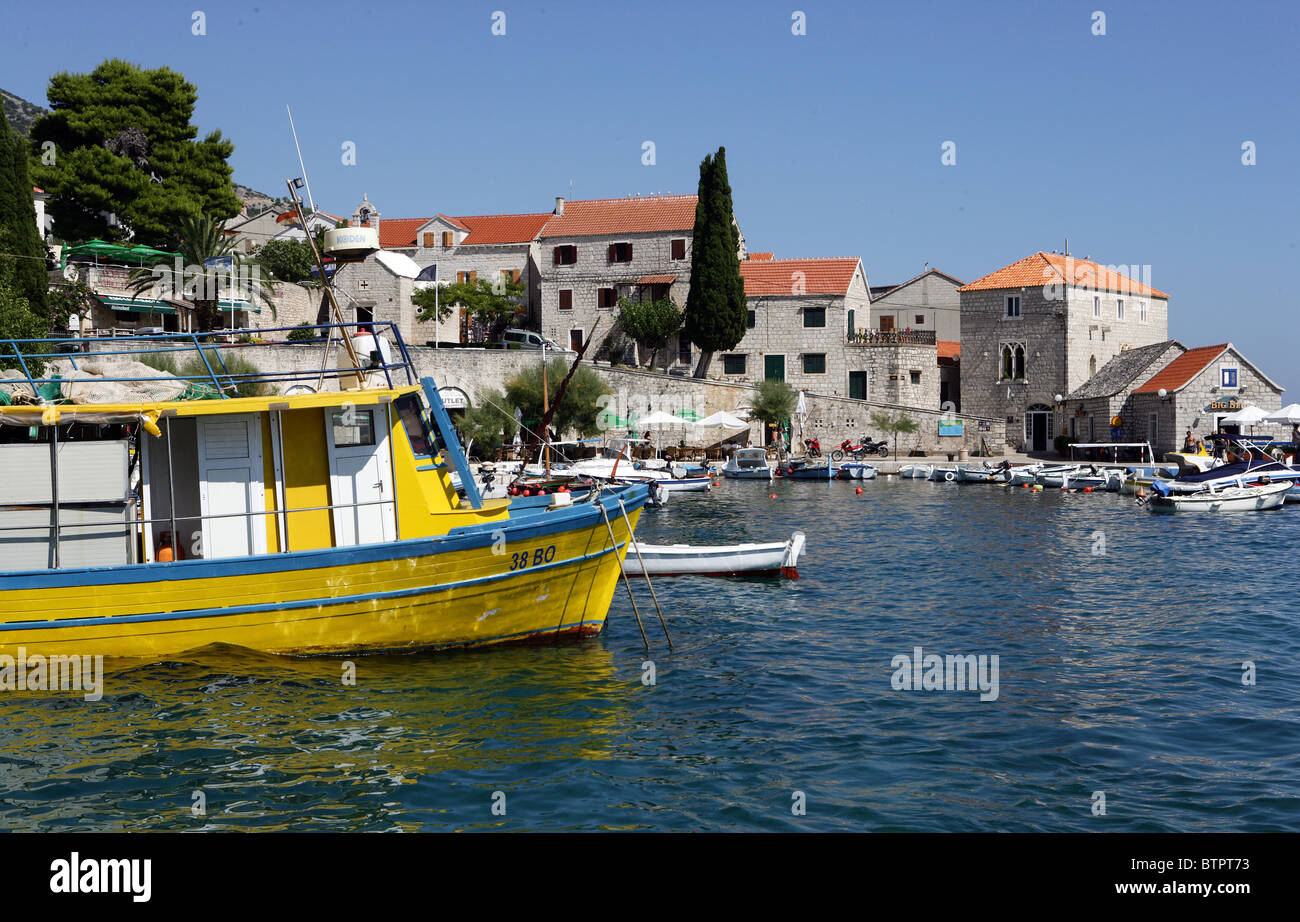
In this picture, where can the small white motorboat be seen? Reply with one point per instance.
(981, 474)
(1025, 473)
(748, 464)
(777, 558)
(1223, 499)
(946, 474)
(1098, 478)
(915, 471)
(1055, 475)
(856, 470)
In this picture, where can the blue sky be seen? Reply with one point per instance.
(1129, 143)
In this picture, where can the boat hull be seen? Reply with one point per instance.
(542, 573)
(1251, 499)
(777, 558)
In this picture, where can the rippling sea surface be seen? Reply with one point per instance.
(1119, 672)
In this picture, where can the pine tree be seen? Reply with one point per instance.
(24, 250)
(715, 305)
(123, 144)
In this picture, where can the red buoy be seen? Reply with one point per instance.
(773, 496)
(859, 491)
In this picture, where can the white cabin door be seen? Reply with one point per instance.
(230, 481)
(361, 473)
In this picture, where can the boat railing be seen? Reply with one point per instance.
(205, 358)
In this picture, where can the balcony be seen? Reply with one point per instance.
(892, 338)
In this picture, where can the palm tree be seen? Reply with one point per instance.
(210, 263)
(774, 401)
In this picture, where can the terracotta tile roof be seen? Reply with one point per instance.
(656, 280)
(1124, 370)
(637, 215)
(501, 228)
(1180, 372)
(1042, 268)
(454, 222)
(830, 276)
(760, 256)
(949, 348)
(399, 233)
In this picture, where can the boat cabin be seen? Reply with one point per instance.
(223, 474)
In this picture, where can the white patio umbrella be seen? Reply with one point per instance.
(801, 410)
(725, 420)
(659, 420)
(1289, 415)
(1246, 416)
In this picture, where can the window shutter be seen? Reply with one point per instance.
(610, 255)
(514, 275)
(429, 238)
(555, 256)
(629, 252)
(473, 277)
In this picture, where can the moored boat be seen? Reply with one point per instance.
(1219, 499)
(780, 557)
(161, 518)
(747, 464)
(856, 470)
(915, 471)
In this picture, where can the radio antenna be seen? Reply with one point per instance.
(302, 166)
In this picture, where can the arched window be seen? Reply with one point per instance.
(1092, 366)
(1020, 363)
(1008, 363)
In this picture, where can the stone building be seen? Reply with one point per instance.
(1041, 327)
(1092, 407)
(468, 248)
(379, 288)
(928, 302)
(594, 251)
(1196, 390)
(275, 223)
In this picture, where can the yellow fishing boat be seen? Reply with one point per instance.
(287, 522)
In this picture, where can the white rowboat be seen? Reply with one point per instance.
(780, 557)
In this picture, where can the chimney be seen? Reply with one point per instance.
(559, 205)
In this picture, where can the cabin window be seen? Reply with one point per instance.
(353, 427)
(679, 248)
(733, 364)
(408, 408)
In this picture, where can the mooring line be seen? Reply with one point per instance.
(614, 544)
(645, 573)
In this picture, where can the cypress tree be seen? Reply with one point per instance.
(24, 250)
(715, 305)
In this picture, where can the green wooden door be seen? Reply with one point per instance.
(774, 367)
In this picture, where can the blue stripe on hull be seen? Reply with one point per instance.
(296, 605)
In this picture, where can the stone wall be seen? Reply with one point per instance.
(1101, 338)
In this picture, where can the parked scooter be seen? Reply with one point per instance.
(864, 447)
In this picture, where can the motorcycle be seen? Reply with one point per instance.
(813, 447)
(865, 447)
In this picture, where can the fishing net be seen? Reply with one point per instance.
(87, 383)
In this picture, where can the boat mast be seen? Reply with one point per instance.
(546, 413)
(326, 283)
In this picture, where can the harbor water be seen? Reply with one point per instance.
(1147, 676)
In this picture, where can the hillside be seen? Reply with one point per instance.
(20, 112)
